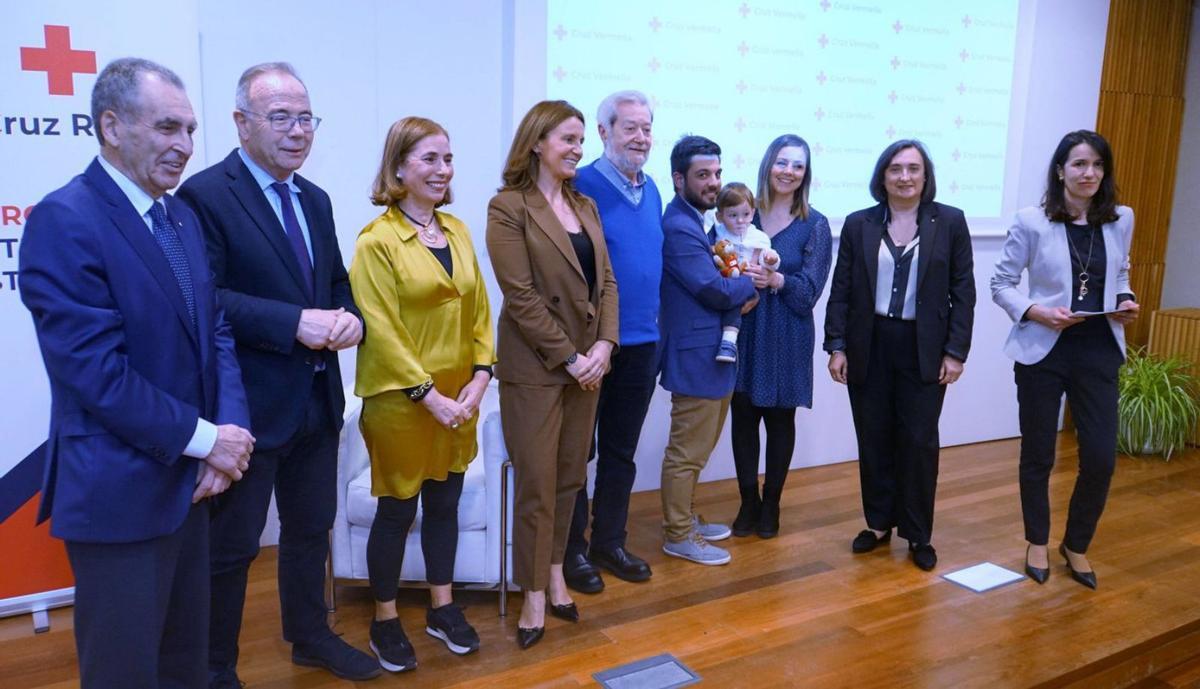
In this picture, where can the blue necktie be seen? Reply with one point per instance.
(291, 225)
(172, 248)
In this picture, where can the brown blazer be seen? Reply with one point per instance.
(547, 314)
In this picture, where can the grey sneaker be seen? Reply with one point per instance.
(698, 550)
(710, 532)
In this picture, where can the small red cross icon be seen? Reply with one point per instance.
(739, 125)
(954, 187)
(819, 113)
(897, 26)
(958, 122)
(825, 5)
(739, 160)
(559, 73)
(892, 97)
(654, 64)
(821, 77)
(741, 87)
(744, 10)
(966, 21)
(560, 32)
(956, 155)
(962, 88)
(58, 60)
(823, 40)
(895, 62)
(891, 132)
(743, 48)
(655, 25)
(964, 54)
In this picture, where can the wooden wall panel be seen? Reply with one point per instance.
(1146, 48)
(1141, 115)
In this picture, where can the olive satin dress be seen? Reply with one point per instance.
(421, 324)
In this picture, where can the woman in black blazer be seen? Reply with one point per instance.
(898, 329)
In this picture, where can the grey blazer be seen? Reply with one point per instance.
(1039, 246)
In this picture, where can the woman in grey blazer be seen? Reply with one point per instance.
(1075, 248)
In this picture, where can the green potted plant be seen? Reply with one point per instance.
(1157, 408)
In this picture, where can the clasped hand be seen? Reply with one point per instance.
(589, 369)
(332, 329)
(226, 462)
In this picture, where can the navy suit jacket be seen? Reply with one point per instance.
(693, 295)
(129, 374)
(263, 292)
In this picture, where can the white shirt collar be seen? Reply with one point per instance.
(137, 196)
(264, 178)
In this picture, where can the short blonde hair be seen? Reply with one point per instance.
(521, 166)
(733, 194)
(402, 138)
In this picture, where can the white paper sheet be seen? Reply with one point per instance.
(983, 577)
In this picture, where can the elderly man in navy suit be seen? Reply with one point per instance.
(148, 415)
(693, 295)
(278, 269)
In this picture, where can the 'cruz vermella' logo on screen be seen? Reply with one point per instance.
(60, 63)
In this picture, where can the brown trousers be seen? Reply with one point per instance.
(548, 432)
(696, 424)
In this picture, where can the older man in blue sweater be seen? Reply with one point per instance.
(630, 210)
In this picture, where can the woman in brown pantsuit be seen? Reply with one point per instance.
(556, 332)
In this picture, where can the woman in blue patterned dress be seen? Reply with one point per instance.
(775, 348)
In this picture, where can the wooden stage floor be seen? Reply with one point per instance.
(802, 611)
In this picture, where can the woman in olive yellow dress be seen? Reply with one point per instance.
(423, 367)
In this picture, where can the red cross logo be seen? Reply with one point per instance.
(891, 132)
(819, 113)
(958, 122)
(897, 26)
(741, 86)
(655, 25)
(744, 10)
(823, 40)
(962, 88)
(956, 155)
(821, 77)
(559, 73)
(954, 187)
(892, 97)
(825, 5)
(58, 60)
(560, 32)
(739, 160)
(964, 54)
(895, 62)
(654, 64)
(966, 20)
(743, 48)
(739, 125)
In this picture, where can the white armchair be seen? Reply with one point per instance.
(482, 525)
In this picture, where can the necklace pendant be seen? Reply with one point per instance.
(1083, 290)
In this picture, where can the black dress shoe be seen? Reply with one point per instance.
(1038, 574)
(866, 541)
(622, 563)
(1088, 579)
(567, 612)
(923, 556)
(529, 637)
(581, 574)
(338, 657)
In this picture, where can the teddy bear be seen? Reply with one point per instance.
(727, 260)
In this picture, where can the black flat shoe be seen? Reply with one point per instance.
(529, 637)
(1038, 574)
(768, 520)
(622, 563)
(581, 575)
(866, 541)
(748, 514)
(923, 556)
(567, 612)
(1088, 579)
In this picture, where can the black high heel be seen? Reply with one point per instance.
(529, 637)
(567, 612)
(1038, 574)
(1088, 579)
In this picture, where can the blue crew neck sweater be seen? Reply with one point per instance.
(634, 238)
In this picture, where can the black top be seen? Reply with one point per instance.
(442, 254)
(1087, 257)
(586, 253)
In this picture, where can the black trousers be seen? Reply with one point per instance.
(1083, 364)
(303, 474)
(141, 609)
(624, 400)
(896, 421)
(439, 535)
(781, 441)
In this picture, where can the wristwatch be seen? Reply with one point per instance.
(571, 359)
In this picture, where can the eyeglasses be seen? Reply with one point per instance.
(282, 122)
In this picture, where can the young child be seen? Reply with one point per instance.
(735, 213)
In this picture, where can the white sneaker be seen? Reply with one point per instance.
(698, 550)
(710, 532)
